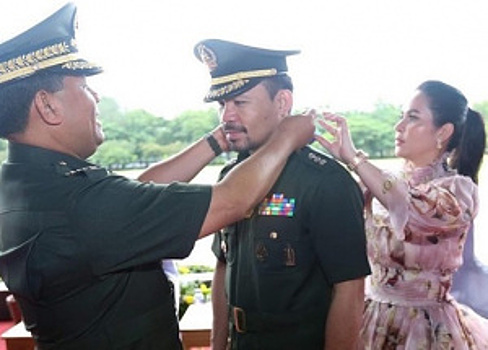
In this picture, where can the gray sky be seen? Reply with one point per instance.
(354, 52)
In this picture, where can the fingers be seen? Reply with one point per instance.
(340, 120)
(323, 141)
(308, 112)
(329, 128)
(332, 123)
(299, 127)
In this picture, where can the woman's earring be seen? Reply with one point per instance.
(439, 144)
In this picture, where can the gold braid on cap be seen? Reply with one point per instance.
(227, 89)
(244, 75)
(31, 62)
(76, 65)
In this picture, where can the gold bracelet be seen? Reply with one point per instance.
(358, 158)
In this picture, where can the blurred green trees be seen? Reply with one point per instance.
(137, 138)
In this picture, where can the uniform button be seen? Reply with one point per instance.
(273, 235)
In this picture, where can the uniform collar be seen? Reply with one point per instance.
(242, 156)
(22, 153)
(245, 154)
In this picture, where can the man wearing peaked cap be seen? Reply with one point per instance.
(236, 68)
(81, 248)
(291, 274)
(49, 46)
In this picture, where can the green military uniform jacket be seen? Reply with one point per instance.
(81, 248)
(283, 260)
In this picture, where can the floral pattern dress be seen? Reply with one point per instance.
(414, 249)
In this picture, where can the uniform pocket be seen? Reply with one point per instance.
(279, 244)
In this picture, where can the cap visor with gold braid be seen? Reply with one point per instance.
(236, 68)
(49, 45)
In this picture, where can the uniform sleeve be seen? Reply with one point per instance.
(124, 223)
(338, 228)
(438, 207)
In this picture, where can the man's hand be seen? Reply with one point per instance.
(219, 135)
(296, 131)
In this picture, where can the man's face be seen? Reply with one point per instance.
(79, 107)
(250, 118)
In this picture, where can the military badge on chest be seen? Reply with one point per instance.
(286, 255)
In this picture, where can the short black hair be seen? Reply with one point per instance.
(16, 98)
(276, 83)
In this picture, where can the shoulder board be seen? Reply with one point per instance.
(91, 171)
(314, 156)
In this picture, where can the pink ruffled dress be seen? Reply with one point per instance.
(414, 250)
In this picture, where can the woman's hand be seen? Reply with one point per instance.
(341, 147)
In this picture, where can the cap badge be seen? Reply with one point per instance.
(208, 57)
(75, 24)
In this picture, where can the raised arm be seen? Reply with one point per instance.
(245, 185)
(186, 164)
(342, 148)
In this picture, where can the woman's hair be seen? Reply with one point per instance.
(16, 99)
(468, 141)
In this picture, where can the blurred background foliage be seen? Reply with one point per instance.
(136, 138)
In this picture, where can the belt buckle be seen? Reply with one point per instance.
(239, 320)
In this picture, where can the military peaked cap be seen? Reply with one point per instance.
(236, 68)
(49, 45)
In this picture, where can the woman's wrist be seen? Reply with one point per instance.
(359, 158)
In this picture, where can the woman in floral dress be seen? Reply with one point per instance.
(417, 222)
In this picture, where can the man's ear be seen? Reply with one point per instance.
(46, 107)
(284, 98)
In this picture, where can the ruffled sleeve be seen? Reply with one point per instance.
(438, 207)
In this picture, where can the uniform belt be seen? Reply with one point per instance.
(255, 322)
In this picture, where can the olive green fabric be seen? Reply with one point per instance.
(283, 260)
(81, 250)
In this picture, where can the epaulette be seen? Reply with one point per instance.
(92, 171)
(315, 156)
